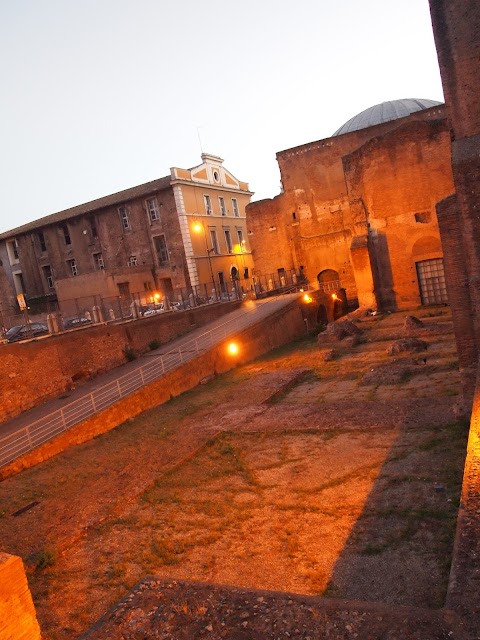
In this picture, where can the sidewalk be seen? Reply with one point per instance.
(240, 319)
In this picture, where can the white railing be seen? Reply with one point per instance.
(46, 428)
(332, 285)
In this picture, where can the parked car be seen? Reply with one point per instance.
(151, 311)
(71, 323)
(20, 332)
(180, 305)
(228, 295)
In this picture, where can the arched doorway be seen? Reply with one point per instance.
(235, 276)
(328, 280)
(322, 315)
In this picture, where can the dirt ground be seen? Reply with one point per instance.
(288, 474)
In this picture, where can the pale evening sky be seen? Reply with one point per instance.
(102, 95)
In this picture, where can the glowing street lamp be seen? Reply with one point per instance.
(233, 349)
(307, 298)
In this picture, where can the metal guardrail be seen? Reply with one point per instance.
(332, 285)
(46, 428)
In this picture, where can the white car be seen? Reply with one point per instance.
(159, 308)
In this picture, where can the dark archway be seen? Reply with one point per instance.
(328, 275)
(340, 304)
(322, 315)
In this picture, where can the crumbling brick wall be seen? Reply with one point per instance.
(456, 26)
(398, 177)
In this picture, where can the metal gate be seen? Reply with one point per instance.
(431, 278)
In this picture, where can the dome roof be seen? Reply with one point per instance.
(385, 112)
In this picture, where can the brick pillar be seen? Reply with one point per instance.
(18, 620)
(457, 280)
(362, 271)
(456, 28)
(464, 584)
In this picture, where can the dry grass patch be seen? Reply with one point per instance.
(285, 511)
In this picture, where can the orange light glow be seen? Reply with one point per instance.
(197, 227)
(334, 296)
(306, 298)
(233, 348)
(156, 297)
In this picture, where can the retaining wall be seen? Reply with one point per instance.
(274, 331)
(35, 371)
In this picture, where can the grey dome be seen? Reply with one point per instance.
(385, 112)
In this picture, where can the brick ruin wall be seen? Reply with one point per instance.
(317, 166)
(36, 371)
(398, 178)
(399, 169)
(456, 26)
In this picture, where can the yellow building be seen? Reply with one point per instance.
(210, 204)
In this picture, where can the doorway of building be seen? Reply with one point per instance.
(221, 281)
(328, 280)
(322, 315)
(431, 279)
(166, 287)
(124, 290)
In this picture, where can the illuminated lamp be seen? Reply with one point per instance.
(233, 349)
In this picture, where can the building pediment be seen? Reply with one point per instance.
(210, 172)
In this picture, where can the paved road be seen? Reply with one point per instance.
(249, 314)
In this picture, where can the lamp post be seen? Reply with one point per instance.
(243, 249)
(197, 227)
(240, 249)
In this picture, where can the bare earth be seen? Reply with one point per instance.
(289, 474)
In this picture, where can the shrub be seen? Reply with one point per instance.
(45, 558)
(154, 344)
(130, 353)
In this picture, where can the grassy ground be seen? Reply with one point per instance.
(324, 485)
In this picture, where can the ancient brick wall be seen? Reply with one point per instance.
(398, 177)
(464, 584)
(291, 230)
(458, 285)
(317, 166)
(316, 220)
(268, 233)
(34, 372)
(18, 620)
(456, 26)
